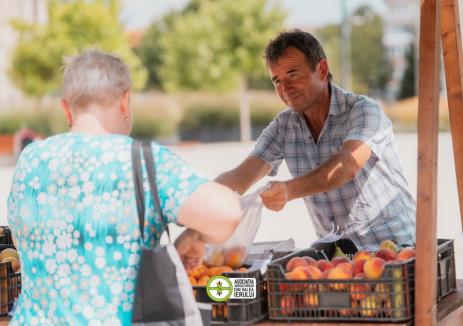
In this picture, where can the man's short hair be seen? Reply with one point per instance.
(303, 41)
(94, 76)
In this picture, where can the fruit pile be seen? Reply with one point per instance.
(201, 274)
(359, 280)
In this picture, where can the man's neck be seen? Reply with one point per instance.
(317, 114)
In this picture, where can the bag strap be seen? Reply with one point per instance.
(138, 184)
(151, 171)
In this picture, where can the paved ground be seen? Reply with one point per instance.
(293, 222)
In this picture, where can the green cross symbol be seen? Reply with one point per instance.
(222, 285)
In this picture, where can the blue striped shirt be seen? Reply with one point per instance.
(376, 205)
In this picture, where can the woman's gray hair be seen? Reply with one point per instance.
(96, 77)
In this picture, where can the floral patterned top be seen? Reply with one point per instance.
(72, 210)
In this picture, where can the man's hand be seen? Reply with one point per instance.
(191, 249)
(276, 197)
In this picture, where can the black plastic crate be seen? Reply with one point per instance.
(10, 284)
(5, 236)
(389, 299)
(237, 311)
(446, 273)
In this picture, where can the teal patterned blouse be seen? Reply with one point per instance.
(72, 210)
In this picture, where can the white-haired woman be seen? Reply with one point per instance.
(72, 206)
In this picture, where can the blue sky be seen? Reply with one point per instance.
(137, 14)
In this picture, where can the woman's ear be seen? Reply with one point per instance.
(124, 104)
(67, 112)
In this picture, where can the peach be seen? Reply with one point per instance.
(324, 265)
(215, 258)
(386, 254)
(299, 273)
(198, 272)
(373, 268)
(406, 253)
(287, 304)
(203, 280)
(358, 266)
(242, 269)
(347, 266)
(310, 261)
(224, 269)
(314, 272)
(213, 271)
(339, 273)
(338, 260)
(388, 244)
(235, 256)
(359, 291)
(361, 254)
(295, 262)
(369, 307)
(382, 292)
(310, 299)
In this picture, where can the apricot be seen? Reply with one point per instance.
(234, 257)
(192, 280)
(386, 254)
(198, 272)
(295, 262)
(203, 281)
(406, 253)
(373, 268)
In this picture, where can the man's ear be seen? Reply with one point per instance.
(323, 69)
(124, 103)
(67, 112)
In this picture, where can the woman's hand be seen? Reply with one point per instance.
(191, 249)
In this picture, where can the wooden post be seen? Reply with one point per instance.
(453, 62)
(428, 129)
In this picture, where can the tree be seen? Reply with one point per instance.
(330, 38)
(219, 46)
(370, 66)
(407, 84)
(72, 26)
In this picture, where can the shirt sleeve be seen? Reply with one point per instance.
(369, 124)
(176, 181)
(269, 147)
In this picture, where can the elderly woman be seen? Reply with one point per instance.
(72, 205)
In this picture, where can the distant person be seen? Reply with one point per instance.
(73, 212)
(339, 148)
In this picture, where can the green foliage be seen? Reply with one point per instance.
(43, 121)
(329, 37)
(370, 66)
(214, 43)
(407, 84)
(72, 27)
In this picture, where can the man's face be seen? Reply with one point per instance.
(295, 83)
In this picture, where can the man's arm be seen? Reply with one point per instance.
(241, 178)
(334, 173)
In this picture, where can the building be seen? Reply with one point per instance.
(401, 29)
(33, 11)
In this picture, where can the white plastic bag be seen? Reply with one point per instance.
(234, 252)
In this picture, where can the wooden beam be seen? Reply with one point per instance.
(428, 129)
(453, 62)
